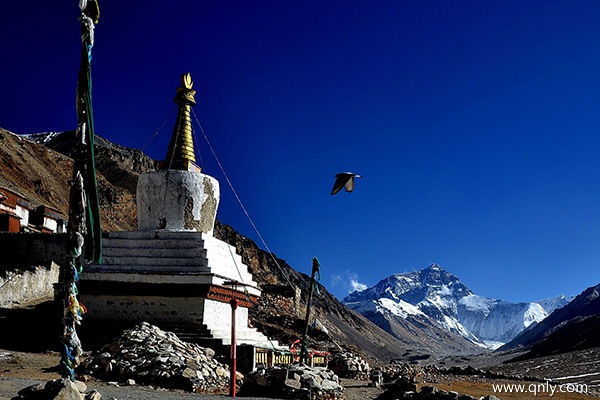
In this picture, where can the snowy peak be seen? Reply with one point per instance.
(400, 308)
(445, 300)
(413, 287)
(572, 326)
(442, 283)
(552, 303)
(43, 138)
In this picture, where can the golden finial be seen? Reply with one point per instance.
(180, 154)
(186, 80)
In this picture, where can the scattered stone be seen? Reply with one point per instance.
(81, 387)
(297, 381)
(402, 370)
(57, 389)
(93, 395)
(68, 391)
(405, 388)
(292, 383)
(349, 365)
(148, 355)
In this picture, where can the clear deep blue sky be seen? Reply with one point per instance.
(476, 124)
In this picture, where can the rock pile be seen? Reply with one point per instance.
(62, 389)
(151, 356)
(297, 381)
(403, 370)
(349, 365)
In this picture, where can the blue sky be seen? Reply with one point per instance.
(474, 123)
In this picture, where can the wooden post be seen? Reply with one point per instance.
(304, 348)
(234, 304)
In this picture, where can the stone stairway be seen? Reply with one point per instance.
(249, 336)
(194, 334)
(154, 252)
(212, 338)
(163, 259)
(171, 252)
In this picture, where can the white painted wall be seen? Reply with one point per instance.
(24, 214)
(50, 223)
(177, 200)
(153, 309)
(21, 287)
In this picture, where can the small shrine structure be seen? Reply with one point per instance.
(172, 272)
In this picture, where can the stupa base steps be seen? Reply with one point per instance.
(179, 281)
(157, 256)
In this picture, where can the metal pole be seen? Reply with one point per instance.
(234, 304)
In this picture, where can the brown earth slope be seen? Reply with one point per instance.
(42, 175)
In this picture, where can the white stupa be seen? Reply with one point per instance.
(171, 271)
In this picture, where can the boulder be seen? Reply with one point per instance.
(56, 389)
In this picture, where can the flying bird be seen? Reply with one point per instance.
(344, 180)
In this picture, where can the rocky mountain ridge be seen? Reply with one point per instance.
(42, 175)
(433, 294)
(576, 326)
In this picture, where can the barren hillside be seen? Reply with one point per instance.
(42, 174)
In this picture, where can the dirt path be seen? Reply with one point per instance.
(359, 390)
(19, 370)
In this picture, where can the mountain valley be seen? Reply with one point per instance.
(423, 317)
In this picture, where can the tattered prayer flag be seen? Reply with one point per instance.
(84, 208)
(316, 272)
(86, 163)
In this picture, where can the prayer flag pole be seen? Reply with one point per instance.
(304, 357)
(84, 211)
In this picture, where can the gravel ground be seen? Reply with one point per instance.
(19, 370)
(355, 390)
(10, 386)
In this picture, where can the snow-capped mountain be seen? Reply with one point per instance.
(497, 320)
(435, 293)
(43, 138)
(552, 303)
(572, 326)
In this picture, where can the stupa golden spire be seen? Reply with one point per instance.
(180, 154)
